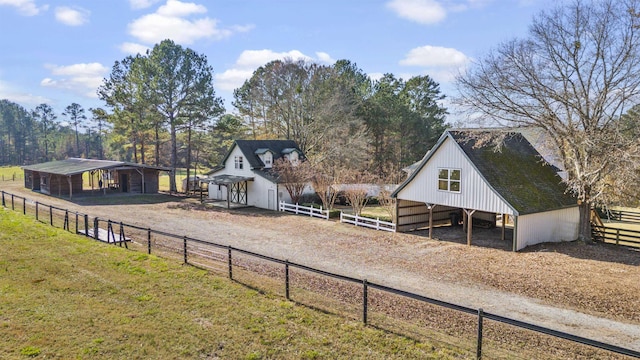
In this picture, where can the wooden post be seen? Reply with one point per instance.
(70, 187)
(286, 279)
(503, 226)
(430, 221)
(469, 227)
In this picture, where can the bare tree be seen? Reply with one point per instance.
(572, 77)
(356, 189)
(294, 177)
(324, 180)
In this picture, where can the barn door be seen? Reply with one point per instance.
(272, 200)
(124, 182)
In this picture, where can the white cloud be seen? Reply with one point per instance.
(440, 63)
(375, 76)
(421, 11)
(430, 56)
(72, 16)
(250, 60)
(133, 48)
(141, 4)
(178, 21)
(83, 79)
(25, 99)
(25, 7)
(325, 58)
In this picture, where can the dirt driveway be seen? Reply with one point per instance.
(586, 290)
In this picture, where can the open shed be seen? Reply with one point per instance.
(65, 177)
(461, 176)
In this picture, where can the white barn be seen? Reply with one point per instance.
(245, 176)
(456, 176)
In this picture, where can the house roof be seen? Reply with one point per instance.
(250, 147)
(74, 166)
(517, 173)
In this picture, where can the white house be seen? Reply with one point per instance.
(456, 176)
(246, 177)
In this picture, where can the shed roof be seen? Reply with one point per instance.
(517, 173)
(74, 166)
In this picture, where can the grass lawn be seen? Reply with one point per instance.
(181, 174)
(64, 296)
(6, 172)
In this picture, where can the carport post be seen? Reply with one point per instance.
(469, 224)
(430, 220)
(503, 226)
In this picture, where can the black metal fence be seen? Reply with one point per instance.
(358, 293)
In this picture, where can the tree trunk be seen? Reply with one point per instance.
(188, 159)
(174, 156)
(157, 140)
(584, 233)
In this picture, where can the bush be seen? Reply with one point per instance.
(382, 218)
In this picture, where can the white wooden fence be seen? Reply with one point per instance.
(304, 210)
(367, 222)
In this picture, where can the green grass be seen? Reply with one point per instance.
(181, 174)
(8, 171)
(66, 297)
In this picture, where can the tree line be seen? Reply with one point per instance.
(161, 108)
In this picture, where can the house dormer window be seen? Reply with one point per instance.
(449, 180)
(238, 162)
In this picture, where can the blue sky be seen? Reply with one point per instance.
(58, 52)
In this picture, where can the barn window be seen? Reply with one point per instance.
(238, 162)
(449, 180)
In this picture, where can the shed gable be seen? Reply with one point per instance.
(474, 192)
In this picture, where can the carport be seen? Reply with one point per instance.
(477, 181)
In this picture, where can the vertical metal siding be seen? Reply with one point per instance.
(551, 226)
(474, 194)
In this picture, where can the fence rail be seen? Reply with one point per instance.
(615, 235)
(624, 216)
(82, 222)
(304, 210)
(367, 222)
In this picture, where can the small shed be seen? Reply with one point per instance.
(462, 176)
(65, 177)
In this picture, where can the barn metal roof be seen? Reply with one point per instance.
(74, 166)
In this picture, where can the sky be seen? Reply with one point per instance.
(59, 52)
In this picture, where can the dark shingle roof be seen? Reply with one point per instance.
(73, 166)
(518, 173)
(249, 148)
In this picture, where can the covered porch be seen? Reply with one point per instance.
(229, 189)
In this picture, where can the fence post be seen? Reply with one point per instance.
(86, 225)
(479, 348)
(230, 265)
(378, 224)
(364, 301)
(184, 242)
(296, 208)
(286, 279)
(51, 214)
(12, 206)
(65, 225)
(36, 210)
(617, 236)
(3, 204)
(76, 222)
(149, 241)
(95, 229)
(24, 206)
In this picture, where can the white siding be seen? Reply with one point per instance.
(474, 191)
(551, 226)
